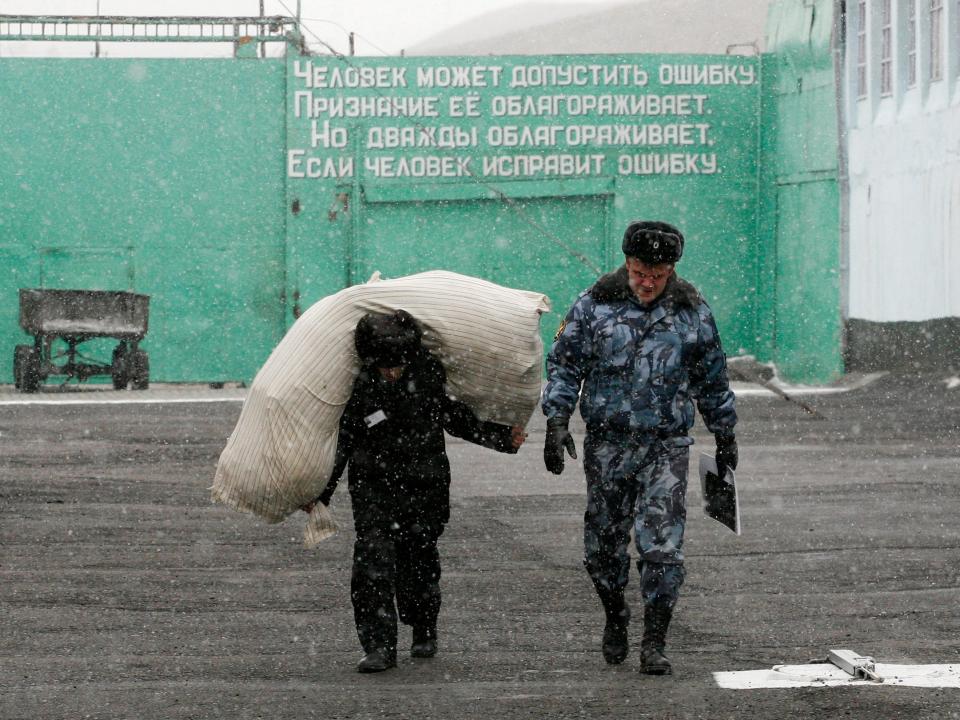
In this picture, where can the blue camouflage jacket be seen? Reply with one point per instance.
(641, 367)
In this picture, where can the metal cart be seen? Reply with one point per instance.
(74, 316)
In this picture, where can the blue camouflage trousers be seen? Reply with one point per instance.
(640, 486)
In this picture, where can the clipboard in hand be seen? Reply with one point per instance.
(720, 500)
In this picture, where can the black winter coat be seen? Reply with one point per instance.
(391, 435)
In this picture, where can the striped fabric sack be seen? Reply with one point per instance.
(282, 450)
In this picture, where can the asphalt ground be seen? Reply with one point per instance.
(126, 594)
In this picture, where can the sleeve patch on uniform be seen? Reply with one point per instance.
(563, 325)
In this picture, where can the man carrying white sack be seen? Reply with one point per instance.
(391, 435)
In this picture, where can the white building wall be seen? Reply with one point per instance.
(904, 169)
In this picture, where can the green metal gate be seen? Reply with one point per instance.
(512, 249)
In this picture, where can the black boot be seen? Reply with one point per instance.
(424, 641)
(615, 642)
(377, 661)
(656, 620)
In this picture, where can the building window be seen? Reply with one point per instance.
(886, 48)
(911, 43)
(862, 48)
(936, 35)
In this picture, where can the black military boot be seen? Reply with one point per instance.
(615, 642)
(377, 661)
(656, 620)
(424, 641)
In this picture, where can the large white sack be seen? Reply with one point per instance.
(282, 450)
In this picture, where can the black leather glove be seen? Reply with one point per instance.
(727, 453)
(558, 438)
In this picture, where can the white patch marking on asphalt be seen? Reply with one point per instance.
(829, 675)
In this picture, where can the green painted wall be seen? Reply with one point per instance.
(800, 327)
(193, 181)
(164, 177)
(366, 204)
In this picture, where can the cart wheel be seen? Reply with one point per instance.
(26, 368)
(118, 367)
(20, 355)
(140, 369)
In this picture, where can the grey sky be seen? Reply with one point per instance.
(382, 26)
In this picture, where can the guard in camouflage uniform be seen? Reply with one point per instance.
(638, 348)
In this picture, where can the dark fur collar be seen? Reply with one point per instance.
(613, 287)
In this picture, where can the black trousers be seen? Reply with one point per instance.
(396, 564)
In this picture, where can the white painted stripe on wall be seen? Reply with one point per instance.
(238, 396)
(93, 399)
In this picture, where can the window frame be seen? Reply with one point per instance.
(862, 78)
(935, 9)
(912, 74)
(886, 48)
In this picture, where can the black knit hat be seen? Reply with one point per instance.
(387, 340)
(653, 242)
